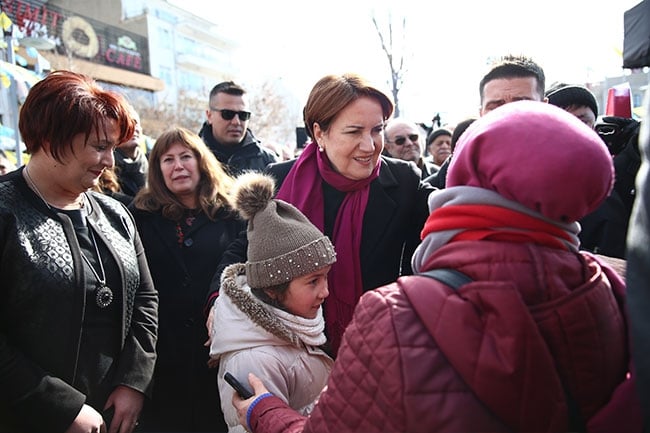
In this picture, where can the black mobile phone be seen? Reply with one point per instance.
(243, 392)
(107, 414)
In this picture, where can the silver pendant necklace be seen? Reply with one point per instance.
(103, 293)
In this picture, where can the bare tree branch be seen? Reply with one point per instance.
(397, 73)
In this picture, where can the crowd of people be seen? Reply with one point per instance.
(387, 279)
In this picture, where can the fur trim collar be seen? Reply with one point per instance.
(233, 284)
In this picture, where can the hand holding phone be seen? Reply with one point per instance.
(243, 392)
(108, 414)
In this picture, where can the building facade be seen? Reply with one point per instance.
(158, 55)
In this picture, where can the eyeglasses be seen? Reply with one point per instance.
(401, 140)
(230, 114)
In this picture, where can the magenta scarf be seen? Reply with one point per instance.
(303, 188)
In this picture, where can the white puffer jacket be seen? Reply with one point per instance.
(248, 337)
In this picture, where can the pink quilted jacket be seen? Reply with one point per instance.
(531, 312)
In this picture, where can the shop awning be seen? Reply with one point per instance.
(106, 73)
(25, 78)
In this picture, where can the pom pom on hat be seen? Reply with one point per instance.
(538, 155)
(282, 243)
(253, 193)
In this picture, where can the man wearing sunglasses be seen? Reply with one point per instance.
(226, 131)
(402, 140)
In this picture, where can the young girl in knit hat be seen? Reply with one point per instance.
(268, 317)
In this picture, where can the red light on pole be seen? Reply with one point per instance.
(619, 101)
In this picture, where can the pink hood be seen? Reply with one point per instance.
(538, 155)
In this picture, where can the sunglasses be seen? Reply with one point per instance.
(401, 140)
(230, 114)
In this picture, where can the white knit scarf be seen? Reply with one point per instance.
(310, 331)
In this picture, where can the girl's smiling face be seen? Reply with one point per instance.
(306, 293)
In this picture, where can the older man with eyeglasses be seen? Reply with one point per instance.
(402, 140)
(226, 131)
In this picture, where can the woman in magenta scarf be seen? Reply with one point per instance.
(372, 208)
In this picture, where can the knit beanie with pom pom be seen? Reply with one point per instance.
(282, 243)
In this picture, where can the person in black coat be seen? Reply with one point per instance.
(439, 178)
(186, 223)
(78, 308)
(638, 275)
(604, 231)
(131, 163)
(226, 131)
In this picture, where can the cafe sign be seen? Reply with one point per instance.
(80, 36)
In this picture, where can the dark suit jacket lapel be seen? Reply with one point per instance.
(380, 208)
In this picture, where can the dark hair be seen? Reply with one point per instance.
(280, 290)
(437, 133)
(511, 66)
(459, 129)
(213, 189)
(567, 96)
(65, 104)
(227, 87)
(333, 93)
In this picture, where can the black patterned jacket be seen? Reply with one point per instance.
(43, 308)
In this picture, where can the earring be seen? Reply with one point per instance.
(321, 149)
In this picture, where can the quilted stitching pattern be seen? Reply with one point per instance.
(412, 387)
(372, 363)
(391, 377)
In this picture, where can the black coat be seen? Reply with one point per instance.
(604, 231)
(439, 178)
(131, 173)
(247, 155)
(396, 211)
(638, 276)
(185, 396)
(46, 315)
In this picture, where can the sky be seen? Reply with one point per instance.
(446, 45)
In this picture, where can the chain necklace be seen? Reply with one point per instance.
(32, 185)
(103, 293)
